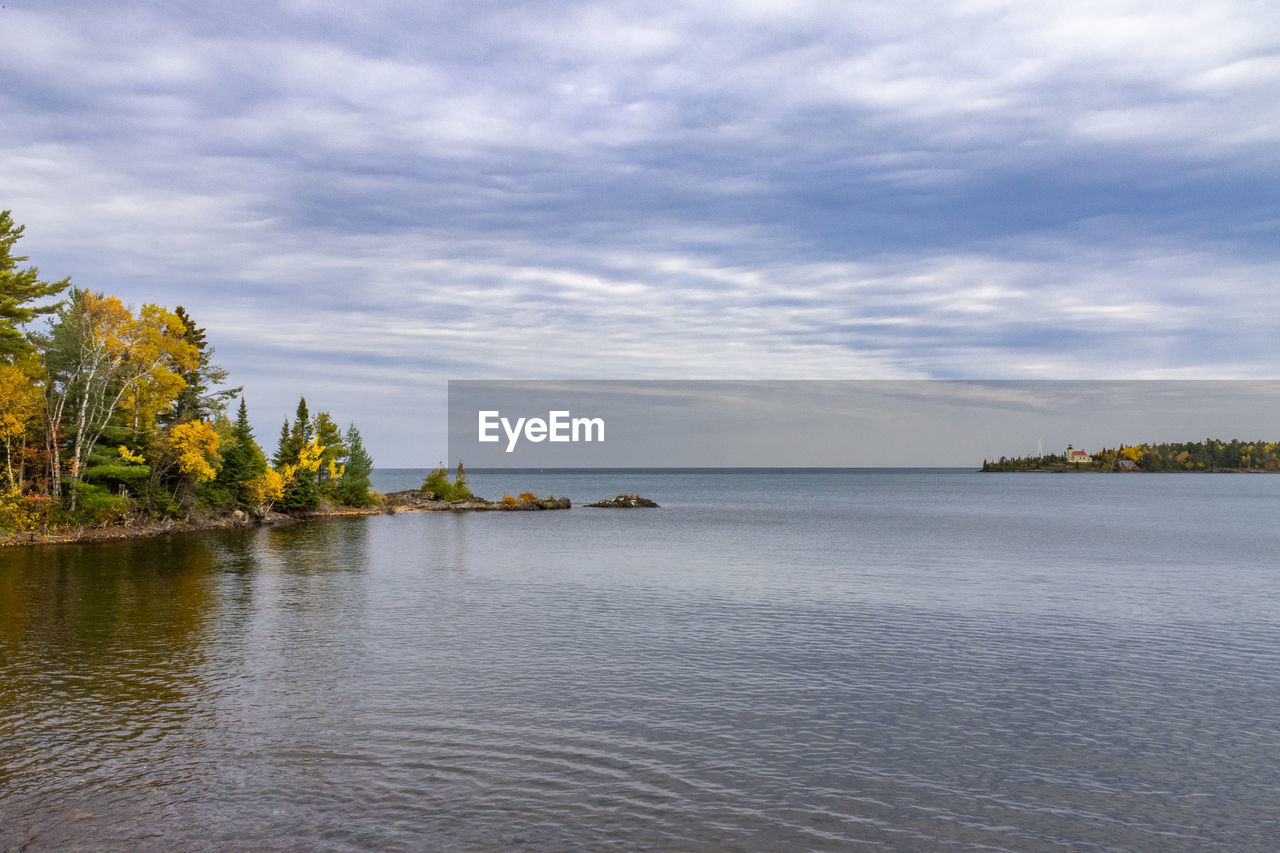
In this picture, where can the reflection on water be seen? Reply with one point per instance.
(905, 662)
(104, 653)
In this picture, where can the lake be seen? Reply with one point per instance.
(799, 660)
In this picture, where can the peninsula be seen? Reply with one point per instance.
(1209, 455)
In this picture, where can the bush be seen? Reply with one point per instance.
(528, 497)
(96, 507)
(19, 513)
(507, 500)
(438, 481)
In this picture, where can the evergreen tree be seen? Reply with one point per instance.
(242, 460)
(18, 288)
(201, 399)
(303, 430)
(286, 451)
(329, 475)
(354, 490)
(302, 492)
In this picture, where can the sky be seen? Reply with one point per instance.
(360, 202)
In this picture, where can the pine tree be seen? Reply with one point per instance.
(303, 430)
(334, 457)
(200, 400)
(242, 461)
(286, 450)
(18, 288)
(354, 490)
(302, 492)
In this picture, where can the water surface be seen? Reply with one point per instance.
(897, 660)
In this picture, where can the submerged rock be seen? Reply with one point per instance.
(624, 502)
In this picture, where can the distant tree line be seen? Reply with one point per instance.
(108, 414)
(1212, 454)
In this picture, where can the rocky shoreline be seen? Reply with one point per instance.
(408, 501)
(168, 527)
(412, 500)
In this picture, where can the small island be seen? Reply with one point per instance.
(440, 494)
(1208, 456)
(624, 502)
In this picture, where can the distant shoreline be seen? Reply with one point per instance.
(1093, 469)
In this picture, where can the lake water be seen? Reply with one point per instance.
(825, 660)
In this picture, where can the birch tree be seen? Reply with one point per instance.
(99, 356)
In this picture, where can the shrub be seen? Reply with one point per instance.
(507, 500)
(97, 507)
(527, 497)
(25, 512)
(438, 481)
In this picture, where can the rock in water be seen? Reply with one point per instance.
(624, 502)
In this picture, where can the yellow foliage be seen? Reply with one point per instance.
(1134, 454)
(158, 341)
(508, 500)
(267, 488)
(110, 321)
(309, 457)
(129, 456)
(19, 402)
(25, 512)
(152, 344)
(196, 446)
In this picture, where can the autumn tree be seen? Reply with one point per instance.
(99, 356)
(20, 404)
(192, 448)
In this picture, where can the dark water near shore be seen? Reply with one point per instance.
(774, 660)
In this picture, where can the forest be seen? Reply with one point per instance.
(115, 416)
(1212, 454)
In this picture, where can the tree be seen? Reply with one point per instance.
(299, 477)
(332, 462)
(243, 461)
(158, 339)
(438, 482)
(193, 448)
(354, 490)
(294, 438)
(201, 399)
(19, 288)
(98, 355)
(264, 490)
(20, 403)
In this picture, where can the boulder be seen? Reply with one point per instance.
(412, 498)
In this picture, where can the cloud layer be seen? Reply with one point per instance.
(361, 201)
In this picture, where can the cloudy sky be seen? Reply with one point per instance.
(360, 201)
